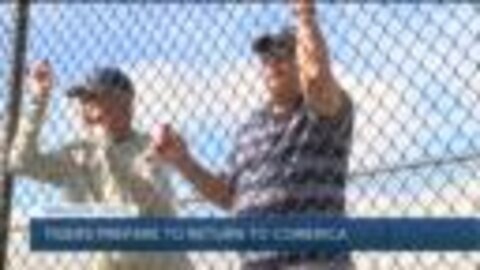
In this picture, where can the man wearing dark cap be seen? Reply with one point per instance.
(291, 157)
(108, 167)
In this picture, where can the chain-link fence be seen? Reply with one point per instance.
(412, 71)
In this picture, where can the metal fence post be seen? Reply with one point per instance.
(19, 43)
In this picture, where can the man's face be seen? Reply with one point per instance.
(106, 111)
(280, 76)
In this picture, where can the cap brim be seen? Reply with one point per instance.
(276, 53)
(276, 46)
(274, 50)
(78, 91)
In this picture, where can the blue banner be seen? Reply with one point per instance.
(255, 234)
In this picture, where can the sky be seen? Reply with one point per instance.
(410, 68)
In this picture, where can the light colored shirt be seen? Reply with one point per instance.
(99, 170)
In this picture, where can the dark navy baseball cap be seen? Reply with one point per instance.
(275, 45)
(102, 80)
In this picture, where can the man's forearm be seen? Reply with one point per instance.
(26, 158)
(25, 144)
(319, 86)
(210, 186)
(311, 45)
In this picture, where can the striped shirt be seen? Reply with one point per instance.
(294, 165)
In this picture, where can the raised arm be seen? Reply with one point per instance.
(26, 158)
(320, 89)
(171, 148)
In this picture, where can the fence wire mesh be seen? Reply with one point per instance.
(411, 69)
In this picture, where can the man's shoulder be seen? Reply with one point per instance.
(345, 113)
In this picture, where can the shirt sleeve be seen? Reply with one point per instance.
(342, 122)
(231, 171)
(27, 160)
(236, 161)
(152, 190)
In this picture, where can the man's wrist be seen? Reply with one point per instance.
(186, 166)
(305, 12)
